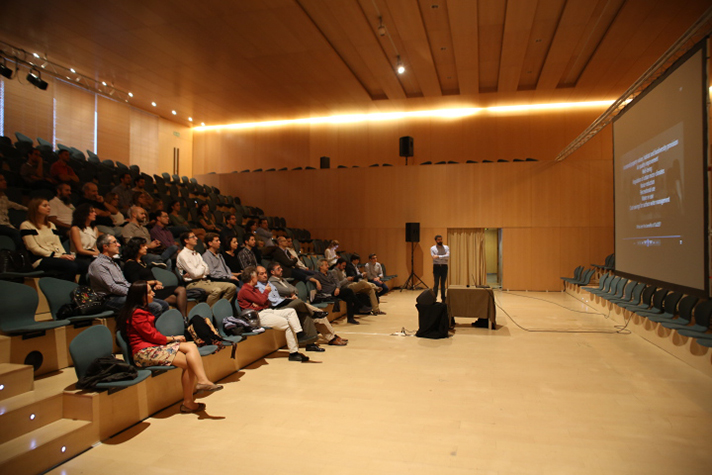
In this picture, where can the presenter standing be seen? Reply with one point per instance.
(441, 255)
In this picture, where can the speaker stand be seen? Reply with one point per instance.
(410, 283)
(406, 160)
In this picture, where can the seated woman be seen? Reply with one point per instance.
(83, 233)
(135, 270)
(330, 253)
(41, 239)
(230, 256)
(206, 219)
(179, 224)
(151, 348)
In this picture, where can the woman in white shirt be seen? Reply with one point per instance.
(330, 253)
(83, 234)
(42, 241)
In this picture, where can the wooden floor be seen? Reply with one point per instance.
(484, 402)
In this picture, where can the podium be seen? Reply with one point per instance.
(471, 302)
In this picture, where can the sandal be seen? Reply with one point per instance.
(208, 387)
(186, 410)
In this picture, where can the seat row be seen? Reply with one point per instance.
(686, 314)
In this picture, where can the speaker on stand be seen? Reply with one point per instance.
(412, 235)
(405, 147)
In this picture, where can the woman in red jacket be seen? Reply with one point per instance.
(151, 348)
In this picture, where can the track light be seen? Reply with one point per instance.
(381, 28)
(35, 78)
(399, 66)
(4, 70)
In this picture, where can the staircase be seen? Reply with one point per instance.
(36, 433)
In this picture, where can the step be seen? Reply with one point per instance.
(15, 379)
(27, 412)
(42, 449)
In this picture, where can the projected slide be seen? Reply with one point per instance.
(660, 161)
(652, 180)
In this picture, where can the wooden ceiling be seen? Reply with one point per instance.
(225, 61)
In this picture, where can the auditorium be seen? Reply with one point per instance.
(481, 227)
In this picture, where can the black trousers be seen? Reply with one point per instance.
(440, 274)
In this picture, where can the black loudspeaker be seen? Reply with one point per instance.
(406, 146)
(426, 297)
(412, 232)
(324, 162)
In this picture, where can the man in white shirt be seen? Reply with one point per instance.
(441, 255)
(62, 209)
(196, 272)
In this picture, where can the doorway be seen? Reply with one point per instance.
(493, 256)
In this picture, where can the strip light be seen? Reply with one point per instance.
(381, 116)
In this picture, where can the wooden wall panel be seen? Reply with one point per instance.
(28, 110)
(113, 130)
(367, 208)
(485, 136)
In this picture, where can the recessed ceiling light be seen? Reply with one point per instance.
(173, 112)
(72, 70)
(103, 82)
(153, 104)
(36, 55)
(130, 94)
(203, 124)
(190, 119)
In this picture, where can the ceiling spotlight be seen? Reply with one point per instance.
(35, 79)
(130, 94)
(36, 55)
(190, 119)
(203, 124)
(103, 83)
(153, 104)
(173, 112)
(72, 70)
(399, 66)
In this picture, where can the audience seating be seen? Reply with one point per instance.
(683, 313)
(669, 308)
(18, 314)
(171, 323)
(57, 292)
(92, 343)
(700, 329)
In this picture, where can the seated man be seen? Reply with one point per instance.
(6, 227)
(160, 231)
(374, 273)
(246, 256)
(216, 262)
(327, 288)
(32, 172)
(285, 319)
(157, 253)
(61, 170)
(107, 279)
(263, 232)
(62, 209)
(229, 231)
(284, 294)
(103, 216)
(124, 192)
(289, 263)
(358, 286)
(196, 272)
